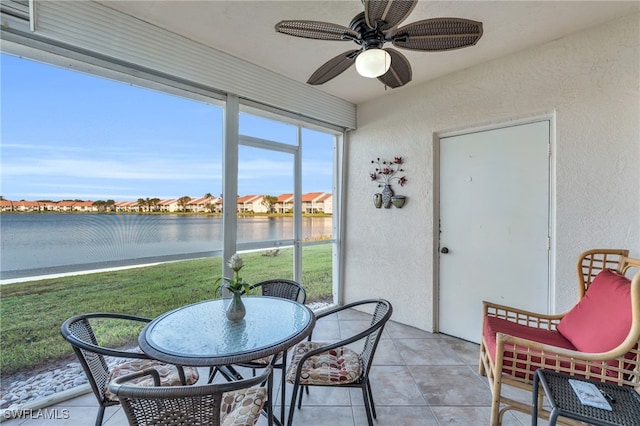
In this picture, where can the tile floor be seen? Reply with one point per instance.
(418, 378)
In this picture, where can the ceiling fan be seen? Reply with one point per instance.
(374, 27)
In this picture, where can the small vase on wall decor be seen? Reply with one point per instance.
(387, 193)
(377, 200)
(398, 200)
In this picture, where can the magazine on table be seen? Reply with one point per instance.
(589, 394)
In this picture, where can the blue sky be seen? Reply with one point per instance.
(68, 135)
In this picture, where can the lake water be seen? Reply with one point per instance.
(34, 244)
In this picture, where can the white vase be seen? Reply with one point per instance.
(387, 193)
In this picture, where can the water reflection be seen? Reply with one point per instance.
(39, 241)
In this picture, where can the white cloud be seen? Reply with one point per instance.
(44, 148)
(110, 169)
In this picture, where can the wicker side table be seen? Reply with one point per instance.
(564, 402)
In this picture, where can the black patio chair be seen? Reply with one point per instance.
(335, 364)
(80, 334)
(236, 402)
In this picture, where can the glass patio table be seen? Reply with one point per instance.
(201, 335)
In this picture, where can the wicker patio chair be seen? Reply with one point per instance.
(80, 334)
(597, 339)
(284, 289)
(335, 364)
(228, 403)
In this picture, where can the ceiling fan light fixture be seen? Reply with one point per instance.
(373, 63)
(372, 28)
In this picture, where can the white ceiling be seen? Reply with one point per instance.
(245, 29)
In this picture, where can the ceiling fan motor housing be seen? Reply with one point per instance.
(369, 37)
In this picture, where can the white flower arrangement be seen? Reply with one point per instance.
(235, 284)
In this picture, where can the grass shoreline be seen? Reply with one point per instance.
(32, 311)
(79, 270)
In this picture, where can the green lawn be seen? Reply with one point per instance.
(31, 313)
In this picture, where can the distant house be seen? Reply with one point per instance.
(30, 206)
(325, 203)
(317, 202)
(218, 203)
(84, 206)
(196, 205)
(251, 204)
(65, 206)
(126, 206)
(205, 204)
(284, 203)
(119, 206)
(313, 202)
(6, 206)
(49, 206)
(168, 206)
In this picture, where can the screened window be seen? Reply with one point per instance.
(124, 174)
(286, 186)
(128, 175)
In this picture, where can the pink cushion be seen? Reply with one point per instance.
(602, 319)
(493, 325)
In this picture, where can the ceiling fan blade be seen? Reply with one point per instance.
(388, 13)
(399, 72)
(438, 34)
(316, 30)
(333, 67)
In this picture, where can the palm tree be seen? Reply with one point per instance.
(153, 203)
(183, 201)
(209, 205)
(100, 205)
(141, 204)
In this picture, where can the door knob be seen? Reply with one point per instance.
(444, 250)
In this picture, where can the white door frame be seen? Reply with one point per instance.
(549, 116)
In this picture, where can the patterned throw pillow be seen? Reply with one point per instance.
(340, 365)
(168, 374)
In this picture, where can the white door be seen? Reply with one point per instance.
(494, 224)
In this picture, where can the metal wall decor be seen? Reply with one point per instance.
(384, 173)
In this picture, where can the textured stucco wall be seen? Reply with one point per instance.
(591, 81)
